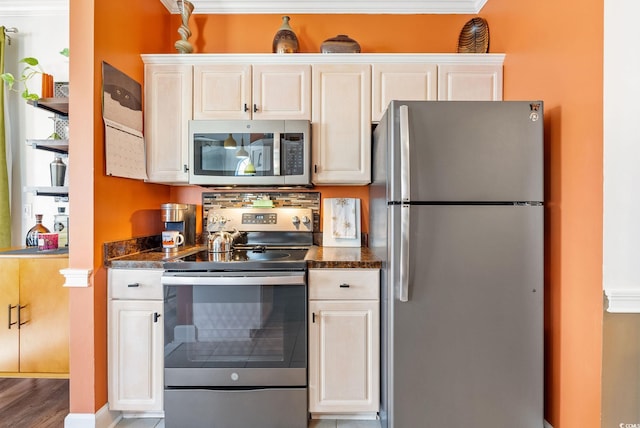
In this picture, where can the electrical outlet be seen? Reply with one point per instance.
(27, 211)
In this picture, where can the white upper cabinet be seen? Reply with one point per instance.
(168, 100)
(342, 95)
(402, 82)
(470, 82)
(341, 128)
(282, 91)
(222, 91)
(243, 91)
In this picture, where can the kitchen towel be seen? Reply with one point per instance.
(343, 218)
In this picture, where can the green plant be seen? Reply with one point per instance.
(31, 69)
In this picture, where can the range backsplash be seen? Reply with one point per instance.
(279, 199)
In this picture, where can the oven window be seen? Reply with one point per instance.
(249, 326)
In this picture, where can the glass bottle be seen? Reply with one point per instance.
(61, 225)
(32, 234)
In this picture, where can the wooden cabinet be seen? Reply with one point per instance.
(245, 91)
(469, 82)
(341, 94)
(168, 109)
(34, 329)
(344, 342)
(401, 82)
(135, 340)
(341, 124)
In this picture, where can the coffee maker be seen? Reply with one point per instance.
(180, 217)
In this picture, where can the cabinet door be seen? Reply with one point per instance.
(341, 129)
(9, 298)
(44, 336)
(343, 356)
(463, 82)
(135, 355)
(401, 82)
(168, 109)
(282, 91)
(222, 91)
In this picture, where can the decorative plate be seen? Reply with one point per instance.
(474, 37)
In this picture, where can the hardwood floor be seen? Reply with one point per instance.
(33, 403)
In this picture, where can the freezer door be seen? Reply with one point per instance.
(466, 150)
(466, 348)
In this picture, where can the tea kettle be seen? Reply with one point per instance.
(222, 241)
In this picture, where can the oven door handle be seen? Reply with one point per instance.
(234, 280)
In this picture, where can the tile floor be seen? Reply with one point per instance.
(324, 423)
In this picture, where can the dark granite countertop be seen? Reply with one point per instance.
(318, 257)
(342, 258)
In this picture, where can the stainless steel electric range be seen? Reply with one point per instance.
(235, 337)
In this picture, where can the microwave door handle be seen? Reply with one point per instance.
(276, 153)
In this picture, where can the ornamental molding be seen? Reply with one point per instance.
(622, 300)
(406, 7)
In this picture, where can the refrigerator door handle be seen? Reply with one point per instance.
(405, 154)
(403, 292)
(405, 192)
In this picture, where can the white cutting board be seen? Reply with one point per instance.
(327, 237)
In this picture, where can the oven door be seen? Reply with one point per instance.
(235, 329)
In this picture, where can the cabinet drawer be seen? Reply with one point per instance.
(344, 284)
(135, 284)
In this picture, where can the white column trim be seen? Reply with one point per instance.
(103, 418)
(622, 300)
(77, 277)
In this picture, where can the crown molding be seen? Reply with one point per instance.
(33, 7)
(331, 6)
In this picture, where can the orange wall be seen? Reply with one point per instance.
(103, 208)
(551, 54)
(557, 55)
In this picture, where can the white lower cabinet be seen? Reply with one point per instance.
(344, 342)
(135, 340)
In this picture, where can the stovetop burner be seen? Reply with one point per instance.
(250, 259)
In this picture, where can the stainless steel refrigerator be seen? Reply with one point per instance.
(456, 215)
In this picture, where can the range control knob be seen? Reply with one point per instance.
(295, 219)
(305, 220)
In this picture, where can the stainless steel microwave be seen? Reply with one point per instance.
(250, 152)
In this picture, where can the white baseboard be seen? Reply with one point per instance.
(103, 418)
(546, 425)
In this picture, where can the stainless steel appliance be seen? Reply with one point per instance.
(456, 215)
(249, 152)
(180, 217)
(235, 327)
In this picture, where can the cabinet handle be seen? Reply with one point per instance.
(135, 284)
(11, 323)
(344, 285)
(313, 317)
(20, 307)
(156, 316)
(246, 107)
(185, 168)
(315, 169)
(255, 108)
